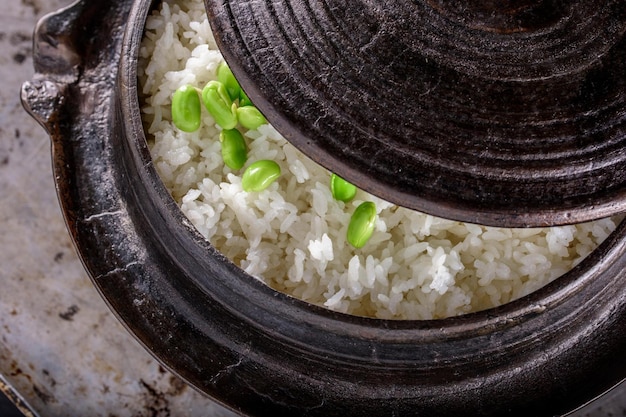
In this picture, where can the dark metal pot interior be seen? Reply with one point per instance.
(264, 353)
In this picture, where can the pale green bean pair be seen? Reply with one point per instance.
(259, 175)
(363, 220)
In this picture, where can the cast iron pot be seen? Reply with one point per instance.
(260, 352)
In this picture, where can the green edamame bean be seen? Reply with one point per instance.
(341, 189)
(186, 109)
(234, 149)
(362, 224)
(259, 175)
(250, 117)
(226, 77)
(220, 106)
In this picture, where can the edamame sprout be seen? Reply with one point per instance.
(186, 108)
(234, 149)
(226, 77)
(220, 106)
(362, 224)
(341, 189)
(250, 117)
(259, 175)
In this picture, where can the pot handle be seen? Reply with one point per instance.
(57, 61)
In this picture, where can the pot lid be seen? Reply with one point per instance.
(508, 113)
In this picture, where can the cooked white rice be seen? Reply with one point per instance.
(292, 235)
